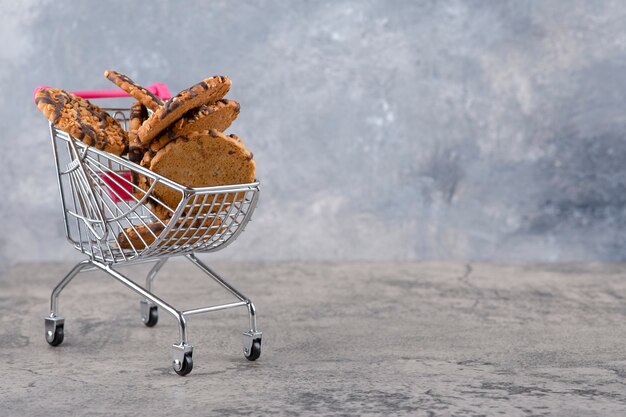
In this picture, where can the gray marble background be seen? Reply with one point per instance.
(382, 130)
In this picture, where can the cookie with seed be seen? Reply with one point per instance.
(205, 92)
(218, 116)
(140, 93)
(138, 115)
(202, 159)
(185, 232)
(82, 120)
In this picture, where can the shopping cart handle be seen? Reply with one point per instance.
(158, 89)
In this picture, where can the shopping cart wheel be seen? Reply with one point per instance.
(149, 313)
(54, 330)
(252, 345)
(181, 358)
(185, 367)
(153, 317)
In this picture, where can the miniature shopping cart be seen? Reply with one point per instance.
(113, 221)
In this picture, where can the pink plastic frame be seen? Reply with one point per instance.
(158, 89)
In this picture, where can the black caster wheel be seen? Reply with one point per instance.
(153, 317)
(255, 351)
(185, 367)
(55, 338)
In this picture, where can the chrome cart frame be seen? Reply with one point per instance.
(115, 221)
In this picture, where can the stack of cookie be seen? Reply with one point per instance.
(181, 140)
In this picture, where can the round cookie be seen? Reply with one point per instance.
(144, 96)
(138, 115)
(207, 91)
(152, 151)
(218, 116)
(82, 120)
(202, 159)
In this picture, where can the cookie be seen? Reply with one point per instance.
(82, 120)
(202, 159)
(186, 232)
(153, 149)
(165, 213)
(218, 116)
(205, 92)
(160, 210)
(144, 96)
(138, 115)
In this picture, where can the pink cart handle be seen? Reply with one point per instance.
(158, 89)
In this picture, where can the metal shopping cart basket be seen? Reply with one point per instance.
(109, 219)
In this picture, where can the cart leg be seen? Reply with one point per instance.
(149, 310)
(149, 296)
(54, 323)
(153, 273)
(252, 338)
(181, 352)
(54, 298)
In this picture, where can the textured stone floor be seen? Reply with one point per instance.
(339, 339)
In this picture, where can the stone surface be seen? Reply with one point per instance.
(339, 339)
(382, 130)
